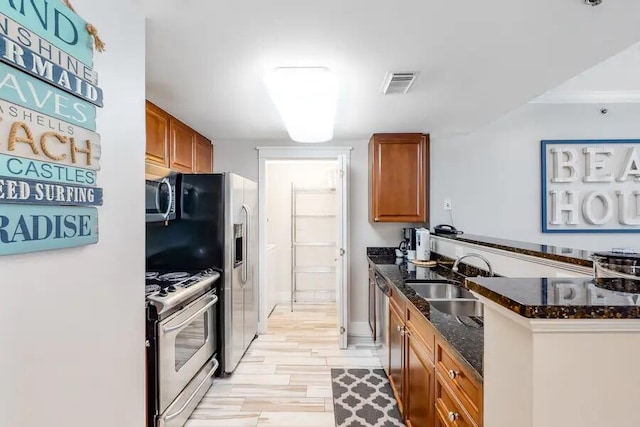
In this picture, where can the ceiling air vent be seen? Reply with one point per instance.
(398, 82)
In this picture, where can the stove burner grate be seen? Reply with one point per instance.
(149, 289)
(174, 277)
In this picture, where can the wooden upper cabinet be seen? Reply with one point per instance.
(173, 144)
(399, 177)
(157, 125)
(182, 142)
(203, 155)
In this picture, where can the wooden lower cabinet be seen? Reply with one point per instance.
(419, 390)
(432, 386)
(441, 420)
(450, 407)
(396, 355)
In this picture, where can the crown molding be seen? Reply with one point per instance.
(588, 97)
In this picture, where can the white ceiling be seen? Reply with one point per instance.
(620, 73)
(478, 59)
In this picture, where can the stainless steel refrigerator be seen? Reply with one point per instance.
(216, 227)
(241, 261)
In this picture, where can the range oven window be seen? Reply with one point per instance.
(191, 339)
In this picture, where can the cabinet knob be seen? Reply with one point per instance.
(453, 416)
(399, 328)
(453, 374)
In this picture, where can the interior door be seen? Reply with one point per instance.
(251, 286)
(342, 265)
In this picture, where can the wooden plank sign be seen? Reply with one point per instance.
(26, 228)
(17, 167)
(29, 92)
(26, 191)
(55, 22)
(25, 133)
(28, 39)
(30, 62)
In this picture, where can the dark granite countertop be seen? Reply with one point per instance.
(562, 298)
(572, 256)
(468, 342)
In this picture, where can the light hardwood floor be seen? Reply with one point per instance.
(285, 377)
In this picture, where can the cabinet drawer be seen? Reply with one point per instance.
(397, 301)
(420, 327)
(458, 378)
(449, 408)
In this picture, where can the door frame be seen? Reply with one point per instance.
(343, 156)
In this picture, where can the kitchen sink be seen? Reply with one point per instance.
(412, 281)
(440, 290)
(459, 307)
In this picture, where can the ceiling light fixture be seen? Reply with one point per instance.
(306, 99)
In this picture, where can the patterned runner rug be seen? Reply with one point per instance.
(363, 398)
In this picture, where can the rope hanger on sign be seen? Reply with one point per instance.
(99, 44)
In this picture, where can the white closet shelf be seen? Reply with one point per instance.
(315, 270)
(315, 216)
(314, 243)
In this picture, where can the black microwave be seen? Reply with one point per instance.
(160, 194)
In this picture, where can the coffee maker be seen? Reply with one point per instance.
(408, 242)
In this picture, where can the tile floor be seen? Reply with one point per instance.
(285, 377)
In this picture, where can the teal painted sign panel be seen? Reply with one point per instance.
(29, 92)
(27, 38)
(55, 22)
(17, 167)
(30, 62)
(32, 228)
(30, 192)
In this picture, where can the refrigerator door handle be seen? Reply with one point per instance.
(247, 243)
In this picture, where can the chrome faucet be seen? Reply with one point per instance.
(472, 254)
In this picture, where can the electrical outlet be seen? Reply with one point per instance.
(459, 251)
(447, 204)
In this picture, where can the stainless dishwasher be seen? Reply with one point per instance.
(382, 322)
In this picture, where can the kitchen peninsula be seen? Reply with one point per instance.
(553, 351)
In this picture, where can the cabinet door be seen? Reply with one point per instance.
(399, 173)
(204, 155)
(182, 143)
(157, 126)
(396, 355)
(440, 420)
(420, 400)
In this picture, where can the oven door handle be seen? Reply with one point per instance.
(214, 299)
(184, 406)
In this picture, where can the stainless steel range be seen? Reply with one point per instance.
(182, 342)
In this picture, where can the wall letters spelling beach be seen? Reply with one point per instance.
(591, 186)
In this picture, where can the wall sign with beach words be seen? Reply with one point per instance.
(591, 186)
(24, 59)
(25, 133)
(49, 150)
(30, 228)
(27, 191)
(55, 22)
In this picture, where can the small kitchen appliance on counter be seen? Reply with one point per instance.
(423, 249)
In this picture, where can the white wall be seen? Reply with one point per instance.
(492, 176)
(72, 321)
(241, 157)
